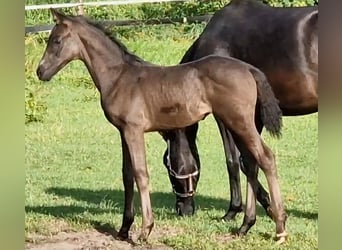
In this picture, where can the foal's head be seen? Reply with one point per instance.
(63, 46)
(183, 170)
(73, 37)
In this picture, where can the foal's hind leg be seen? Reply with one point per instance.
(262, 195)
(276, 210)
(265, 159)
(232, 162)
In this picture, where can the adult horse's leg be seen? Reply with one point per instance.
(136, 146)
(232, 162)
(128, 181)
(251, 173)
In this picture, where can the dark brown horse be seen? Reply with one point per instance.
(283, 43)
(138, 97)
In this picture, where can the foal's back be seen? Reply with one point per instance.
(178, 96)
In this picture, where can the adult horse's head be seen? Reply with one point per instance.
(183, 165)
(62, 47)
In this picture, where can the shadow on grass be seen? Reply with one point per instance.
(163, 204)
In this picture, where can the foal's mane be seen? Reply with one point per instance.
(132, 58)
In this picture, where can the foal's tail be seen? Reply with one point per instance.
(271, 114)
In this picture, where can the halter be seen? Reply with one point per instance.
(191, 191)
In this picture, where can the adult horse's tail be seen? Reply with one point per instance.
(271, 114)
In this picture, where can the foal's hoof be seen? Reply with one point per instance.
(281, 238)
(122, 235)
(142, 238)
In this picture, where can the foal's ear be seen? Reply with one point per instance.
(58, 17)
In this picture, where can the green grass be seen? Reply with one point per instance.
(73, 165)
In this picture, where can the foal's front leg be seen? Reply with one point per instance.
(136, 146)
(128, 181)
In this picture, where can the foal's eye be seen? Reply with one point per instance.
(57, 40)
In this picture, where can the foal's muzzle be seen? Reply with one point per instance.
(41, 73)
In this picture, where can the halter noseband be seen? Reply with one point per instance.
(173, 173)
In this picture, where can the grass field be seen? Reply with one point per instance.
(73, 166)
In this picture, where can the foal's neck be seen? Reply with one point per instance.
(103, 57)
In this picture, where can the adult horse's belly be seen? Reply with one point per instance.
(297, 92)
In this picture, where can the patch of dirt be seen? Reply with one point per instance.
(224, 238)
(98, 239)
